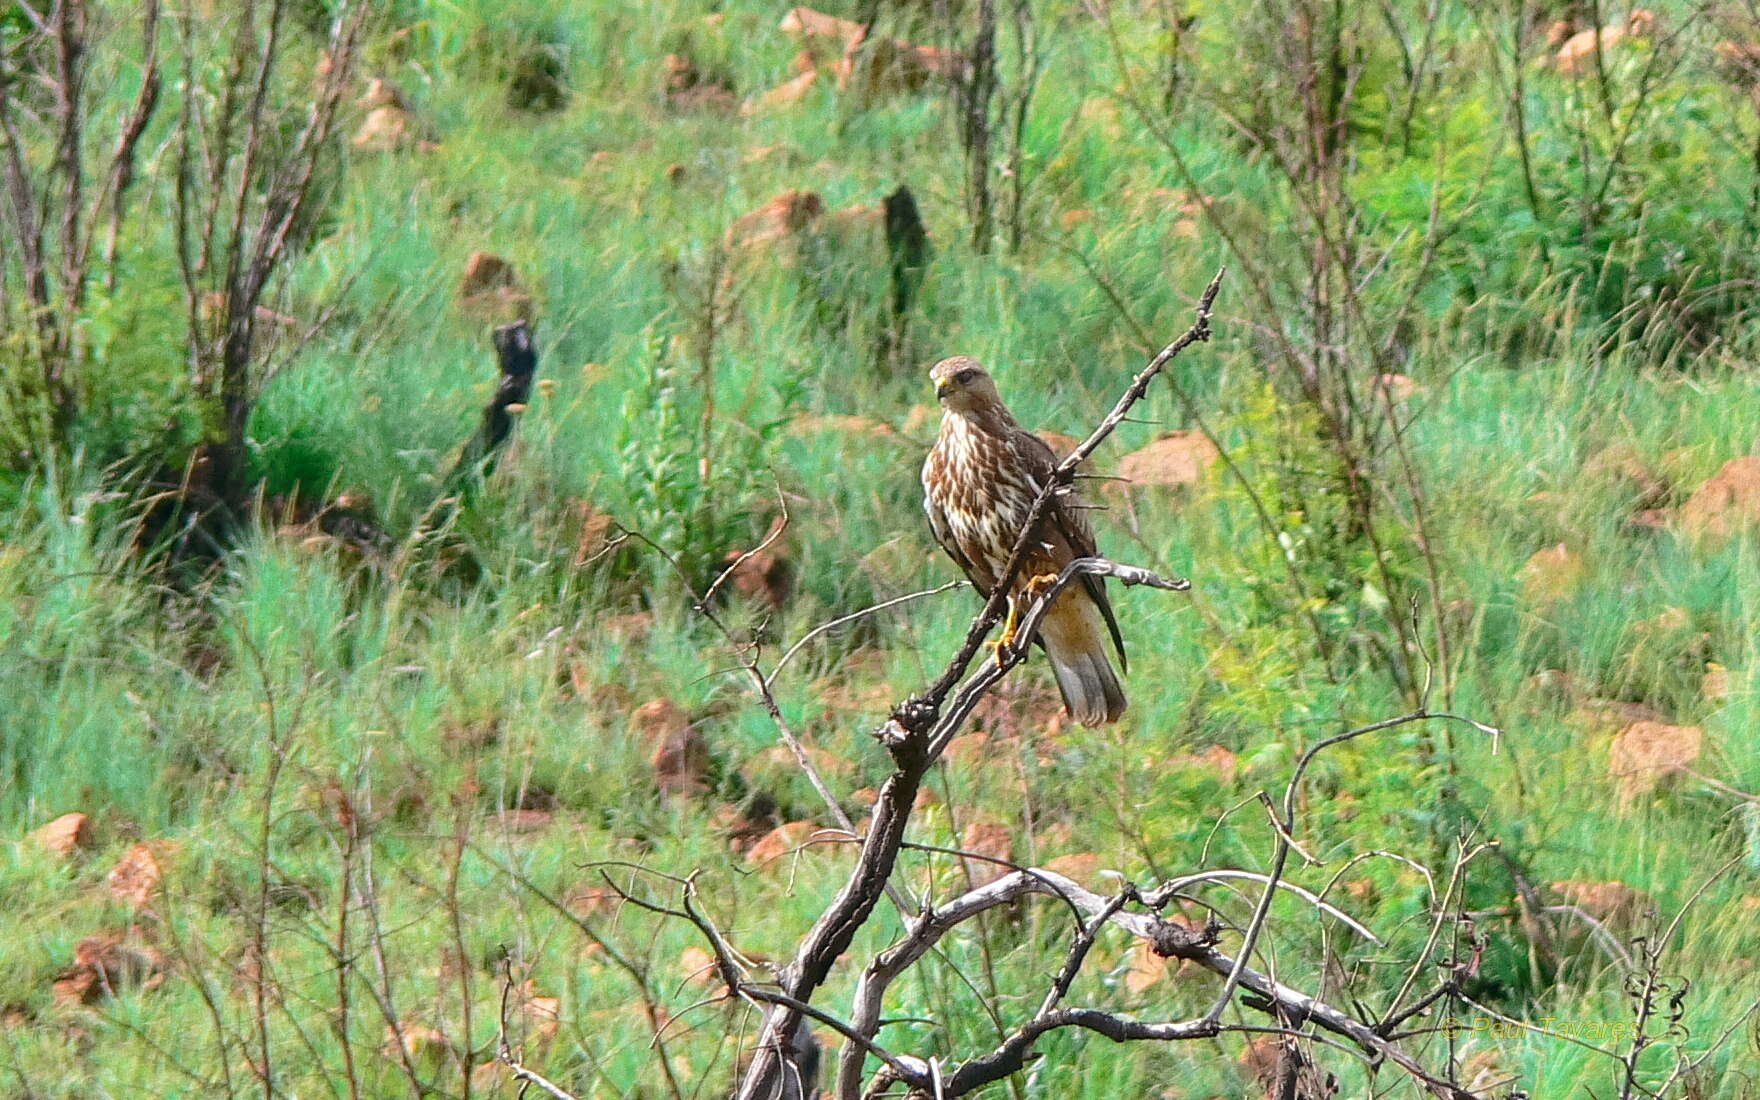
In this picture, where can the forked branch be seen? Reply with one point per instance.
(918, 731)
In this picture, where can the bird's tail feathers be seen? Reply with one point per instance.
(1075, 644)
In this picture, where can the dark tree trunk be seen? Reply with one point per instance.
(907, 250)
(519, 363)
(976, 93)
(907, 244)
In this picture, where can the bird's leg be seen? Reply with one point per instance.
(1034, 588)
(1009, 626)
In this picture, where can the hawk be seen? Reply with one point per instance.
(979, 484)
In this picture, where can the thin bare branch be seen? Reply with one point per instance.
(845, 620)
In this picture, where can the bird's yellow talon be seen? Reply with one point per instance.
(1035, 587)
(1010, 626)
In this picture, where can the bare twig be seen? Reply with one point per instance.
(845, 620)
(1281, 854)
(505, 1054)
(918, 731)
(1167, 938)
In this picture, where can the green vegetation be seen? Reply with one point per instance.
(1487, 330)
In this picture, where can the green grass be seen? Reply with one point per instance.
(474, 671)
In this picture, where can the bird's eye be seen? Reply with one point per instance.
(964, 377)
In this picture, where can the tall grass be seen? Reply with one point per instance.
(239, 725)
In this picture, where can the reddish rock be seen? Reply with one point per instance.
(1715, 686)
(541, 1015)
(1483, 1072)
(1280, 1068)
(1214, 761)
(270, 323)
(658, 719)
(384, 130)
(1740, 61)
(875, 68)
(696, 966)
(595, 537)
(136, 878)
(867, 67)
(422, 1045)
(1146, 968)
(785, 95)
(485, 271)
(1174, 458)
(1082, 868)
(1624, 909)
(688, 88)
(491, 290)
(1729, 502)
(784, 840)
(1550, 574)
(679, 756)
(973, 746)
(1061, 445)
(988, 839)
(592, 899)
(1021, 707)
(1398, 387)
(1362, 891)
(779, 760)
(922, 422)
(822, 35)
(681, 763)
(108, 964)
(786, 215)
(765, 572)
(1577, 54)
(382, 93)
(66, 836)
(740, 831)
(844, 694)
(1644, 753)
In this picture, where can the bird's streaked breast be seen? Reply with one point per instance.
(974, 479)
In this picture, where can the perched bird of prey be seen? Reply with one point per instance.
(979, 484)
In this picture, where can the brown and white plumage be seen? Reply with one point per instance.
(979, 484)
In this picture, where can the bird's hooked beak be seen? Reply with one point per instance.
(942, 385)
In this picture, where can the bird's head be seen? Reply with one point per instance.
(962, 385)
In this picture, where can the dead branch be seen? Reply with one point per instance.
(1168, 939)
(845, 620)
(252, 216)
(917, 733)
(749, 665)
(505, 1054)
(1285, 833)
